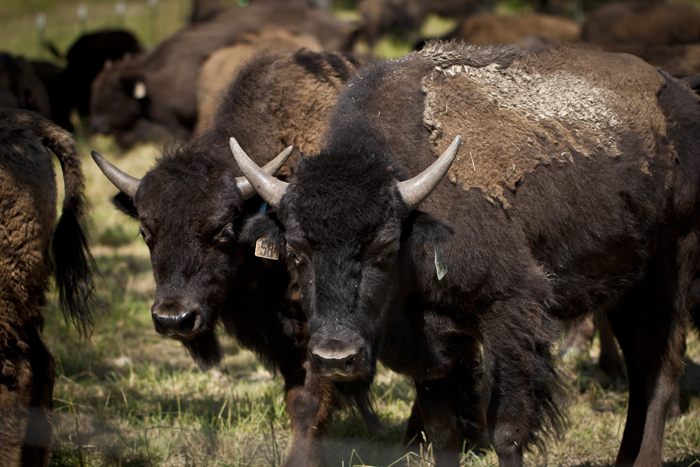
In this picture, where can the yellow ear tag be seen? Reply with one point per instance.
(266, 249)
(440, 265)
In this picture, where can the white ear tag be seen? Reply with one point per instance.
(440, 265)
(266, 249)
(140, 90)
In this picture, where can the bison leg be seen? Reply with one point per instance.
(520, 372)
(651, 333)
(310, 406)
(609, 361)
(579, 336)
(26, 402)
(448, 410)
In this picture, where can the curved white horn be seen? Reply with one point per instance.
(124, 182)
(267, 186)
(416, 189)
(271, 168)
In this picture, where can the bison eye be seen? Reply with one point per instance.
(384, 261)
(294, 257)
(146, 236)
(225, 235)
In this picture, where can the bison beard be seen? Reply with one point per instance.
(205, 349)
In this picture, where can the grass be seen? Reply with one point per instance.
(130, 397)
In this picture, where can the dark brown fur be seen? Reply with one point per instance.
(169, 72)
(644, 24)
(575, 189)
(490, 29)
(678, 60)
(20, 87)
(27, 236)
(191, 213)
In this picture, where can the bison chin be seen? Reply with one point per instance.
(357, 395)
(205, 349)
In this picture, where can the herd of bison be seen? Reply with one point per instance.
(446, 213)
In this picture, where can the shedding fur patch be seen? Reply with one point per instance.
(523, 109)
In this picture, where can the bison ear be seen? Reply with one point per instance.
(421, 227)
(264, 226)
(125, 204)
(139, 91)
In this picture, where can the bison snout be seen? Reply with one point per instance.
(341, 362)
(177, 318)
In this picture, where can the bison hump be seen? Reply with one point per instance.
(532, 109)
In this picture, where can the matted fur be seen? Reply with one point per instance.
(27, 219)
(542, 112)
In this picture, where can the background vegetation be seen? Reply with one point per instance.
(130, 397)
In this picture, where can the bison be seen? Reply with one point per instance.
(32, 247)
(224, 64)
(575, 189)
(642, 24)
(191, 207)
(490, 29)
(20, 87)
(154, 92)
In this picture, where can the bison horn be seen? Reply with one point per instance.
(271, 168)
(126, 183)
(267, 186)
(415, 190)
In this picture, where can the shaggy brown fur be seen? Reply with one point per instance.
(678, 60)
(224, 64)
(27, 219)
(559, 124)
(158, 87)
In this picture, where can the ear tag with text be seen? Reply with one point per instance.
(440, 265)
(266, 249)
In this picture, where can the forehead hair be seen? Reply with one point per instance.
(345, 194)
(183, 181)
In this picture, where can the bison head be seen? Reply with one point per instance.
(118, 98)
(348, 226)
(190, 213)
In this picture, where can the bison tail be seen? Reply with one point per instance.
(73, 263)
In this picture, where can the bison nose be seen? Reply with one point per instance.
(177, 318)
(339, 362)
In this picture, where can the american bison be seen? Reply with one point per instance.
(490, 29)
(404, 18)
(575, 189)
(69, 87)
(646, 24)
(191, 207)
(20, 87)
(204, 10)
(32, 247)
(678, 60)
(155, 91)
(87, 57)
